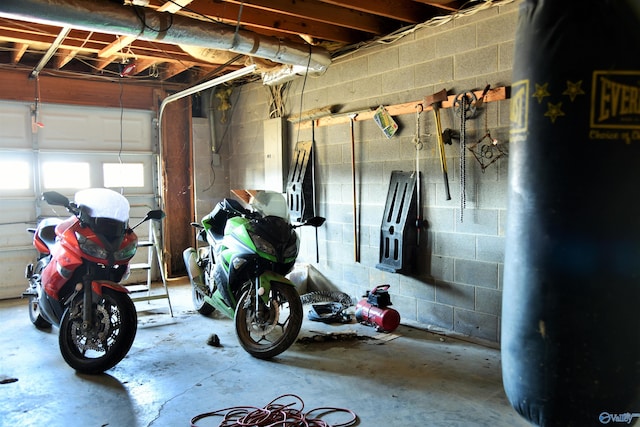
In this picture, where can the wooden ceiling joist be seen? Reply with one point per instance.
(18, 50)
(117, 45)
(62, 57)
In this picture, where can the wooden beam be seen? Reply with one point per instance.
(115, 46)
(448, 5)
(173, 69)
(143, 64)
(62, 57)
(408, 11)
(18, 50)
(16, 86)
(275, 23)
(173, 6)
(177, 170)
(492, 95)
(315, 10)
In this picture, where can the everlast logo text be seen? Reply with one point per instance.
(616, 99)
(519, 106)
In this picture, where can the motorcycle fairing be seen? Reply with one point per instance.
(236, 228)
(45, 235)
(266, 279)
(98, 285)
(59, 270)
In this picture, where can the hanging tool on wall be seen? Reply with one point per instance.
(435, 101)
(356, 249)
(487, 149)
(313, 186)
(417, 142)
(465, 105)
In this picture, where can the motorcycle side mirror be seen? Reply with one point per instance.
(55, 199)
(315, 221)
(155, 214)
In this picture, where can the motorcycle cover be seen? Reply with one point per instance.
(570, 329)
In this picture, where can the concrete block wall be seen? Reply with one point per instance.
(457, 285)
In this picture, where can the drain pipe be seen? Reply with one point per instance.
(146, 24)
(179, 95)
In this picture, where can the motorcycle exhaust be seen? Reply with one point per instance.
(193, 269)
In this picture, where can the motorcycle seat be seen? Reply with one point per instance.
(217, 219)
(47, 230)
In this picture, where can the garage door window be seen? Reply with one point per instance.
(123, 174)
(71, 175)
(14, 175)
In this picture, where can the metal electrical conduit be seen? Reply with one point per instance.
(190, 91)
(111, 18)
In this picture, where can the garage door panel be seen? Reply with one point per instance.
(14, 126)
(15, 235)
(135, 133)
(12, 280)
(15, 217)
(87, 129)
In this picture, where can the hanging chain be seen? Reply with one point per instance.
(463, 157)
(417, 142)
(465, 103)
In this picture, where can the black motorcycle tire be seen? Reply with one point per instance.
(199, 303)
(262, 348)
(34, 314)
(122, 311)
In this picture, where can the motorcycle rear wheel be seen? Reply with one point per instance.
(199, 303)
(274, 328)
(35, 315)
(109, 338)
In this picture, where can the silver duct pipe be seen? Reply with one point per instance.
(145, 24)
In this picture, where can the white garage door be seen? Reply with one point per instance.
(67, 148)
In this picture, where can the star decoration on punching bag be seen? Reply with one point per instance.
(554, 111)
(573, 90)
(541, 92)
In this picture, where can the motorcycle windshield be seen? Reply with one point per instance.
(270, 203)
(103, 203)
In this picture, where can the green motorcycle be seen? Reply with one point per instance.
(241, 272)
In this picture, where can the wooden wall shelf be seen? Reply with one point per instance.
(492, 95)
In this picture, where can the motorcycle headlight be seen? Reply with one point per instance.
(262, 245)
(127, 252)
(90, 247)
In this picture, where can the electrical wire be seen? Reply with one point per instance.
(276, 414)
(143, 21)
(304, 83)
(433, 22)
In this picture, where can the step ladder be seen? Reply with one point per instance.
(142, 292)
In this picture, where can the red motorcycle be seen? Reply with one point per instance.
(74, 283)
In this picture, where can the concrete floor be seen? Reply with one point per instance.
(171, 375)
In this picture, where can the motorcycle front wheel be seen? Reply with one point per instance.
(269, 329)
(106, 342)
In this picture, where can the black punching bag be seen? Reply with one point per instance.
(571, 300)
